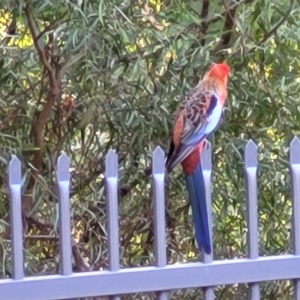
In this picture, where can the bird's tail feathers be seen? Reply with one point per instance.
(196, 189)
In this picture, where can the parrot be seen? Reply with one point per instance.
(197, 116)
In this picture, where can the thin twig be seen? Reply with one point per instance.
(273, 30)
(276, 27)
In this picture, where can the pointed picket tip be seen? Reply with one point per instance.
(158, 161)
(251, 154)
(63, 168)
(14, 171)
(111, 164)
(295, 151)
(206, 156)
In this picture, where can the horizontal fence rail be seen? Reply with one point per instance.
(162, 277)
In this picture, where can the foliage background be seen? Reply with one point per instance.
(86, 76)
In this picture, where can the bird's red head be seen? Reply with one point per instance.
(220, 70)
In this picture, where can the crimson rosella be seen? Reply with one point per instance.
(198, 115)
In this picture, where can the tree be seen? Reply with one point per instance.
(86, 76)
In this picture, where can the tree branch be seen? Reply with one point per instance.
(52, 95)
(223, 14)
(40, 50)
(204, 25)
(229, 23)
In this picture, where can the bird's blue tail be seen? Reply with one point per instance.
(196, 189)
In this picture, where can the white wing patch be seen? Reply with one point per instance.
(214, 118)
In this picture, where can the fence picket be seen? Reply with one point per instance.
(15, 184)
(63, 182)
(158, 173)
(206, 160)
(111, 178)
(251, 205)
(295, 174)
